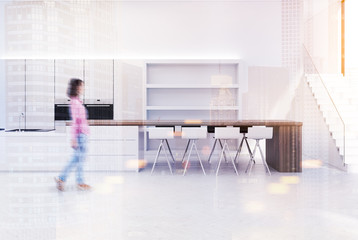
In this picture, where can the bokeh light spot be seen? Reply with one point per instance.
(290, 179)
(312, 163)
(278, 188)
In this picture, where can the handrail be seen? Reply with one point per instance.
(330, 97)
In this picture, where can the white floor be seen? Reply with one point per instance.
(319, 203)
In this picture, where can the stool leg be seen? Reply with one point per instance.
(254, 152)
(170, 151)
(251, 155)
(186, 149)
(232, 160)
(212, 150)
(224, 151)
(248, 166)
(202, 167)
(221, 157)
(252, 160)
(166, 156)
(252, 164)
(264, 160)
(156, 158)
(187, 162)
(239, 150)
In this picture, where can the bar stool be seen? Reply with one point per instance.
(163, 134)
(258, 133)
(193, 134)
(226, 133)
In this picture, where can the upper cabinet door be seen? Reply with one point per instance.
(65, 69)
(15, 94)
(128, 89)
(98, 77)
(39, 94)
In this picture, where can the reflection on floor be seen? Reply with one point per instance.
(319, 203)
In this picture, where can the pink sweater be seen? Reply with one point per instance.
(79, 118)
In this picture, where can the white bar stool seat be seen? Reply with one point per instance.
(163, 134)
(226, 133)
(258, 133)
(193, 134)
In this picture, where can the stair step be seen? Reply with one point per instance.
(343, 91)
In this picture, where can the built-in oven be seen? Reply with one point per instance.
(95, 111)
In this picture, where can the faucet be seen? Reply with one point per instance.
(20, 117)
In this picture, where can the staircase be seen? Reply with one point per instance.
(337, 99)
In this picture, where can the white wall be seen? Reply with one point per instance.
(2, 94)
(351, 34)
(262, 100)
(177, 29)
(2, 69)
(245, 30)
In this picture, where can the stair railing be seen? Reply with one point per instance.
(328, 96)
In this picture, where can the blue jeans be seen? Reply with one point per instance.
(77, 160)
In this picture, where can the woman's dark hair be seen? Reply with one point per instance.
(72, 90)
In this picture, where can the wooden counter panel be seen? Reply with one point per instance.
(284, 150)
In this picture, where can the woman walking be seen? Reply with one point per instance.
(79, 133)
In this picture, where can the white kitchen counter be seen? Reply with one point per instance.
(110, 148)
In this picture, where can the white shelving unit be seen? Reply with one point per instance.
(193, 90)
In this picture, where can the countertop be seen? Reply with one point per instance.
(241, 123)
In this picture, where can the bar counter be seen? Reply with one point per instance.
(283, 151)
